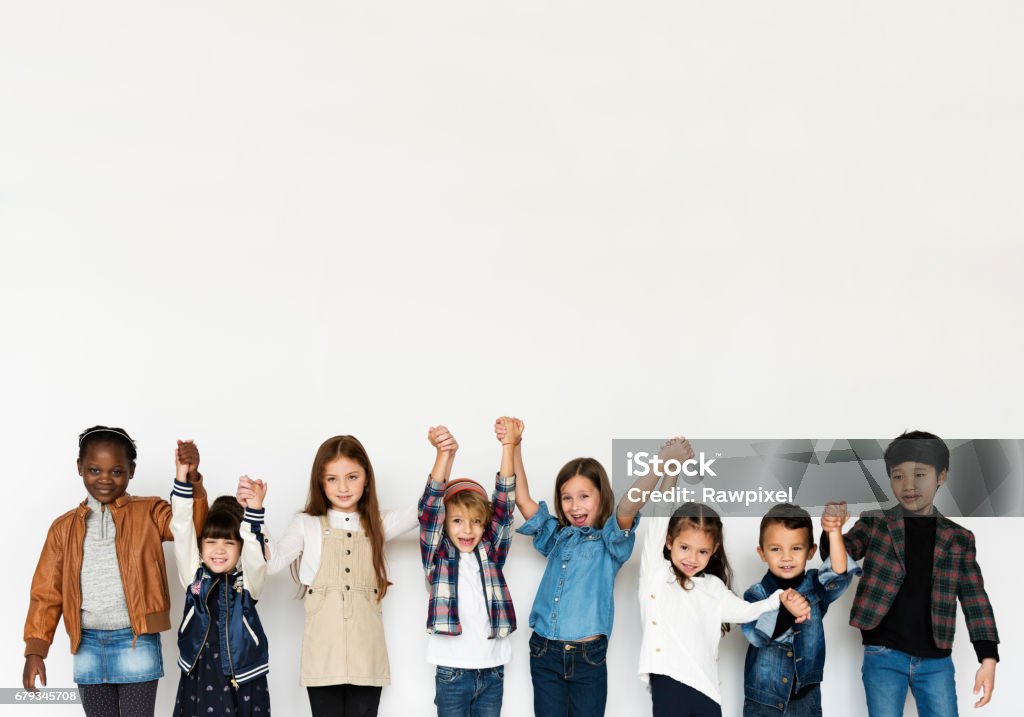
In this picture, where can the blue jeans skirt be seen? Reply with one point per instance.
(108, 657)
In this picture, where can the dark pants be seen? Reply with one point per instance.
(569, 678)
(344, 701)
(674, 699)
(808, 704)
(135, 699)
(469, 693)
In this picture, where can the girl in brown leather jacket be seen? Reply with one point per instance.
(102, 569)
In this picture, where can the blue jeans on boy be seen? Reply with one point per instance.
(469, 693)
(569, 678)
(887, 674)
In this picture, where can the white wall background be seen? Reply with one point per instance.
(261, 224)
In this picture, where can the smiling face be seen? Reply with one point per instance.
(581, 501)
(105, 470)
(343, 483)
(914, 485)
(691, 550)
(464, 526)
(220, 555)
(785, 550)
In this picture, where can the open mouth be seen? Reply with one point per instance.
(219, 563)
(580, 519)
(467, 542)
(690, 569)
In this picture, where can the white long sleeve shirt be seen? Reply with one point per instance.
(682, 628)
(302, 537)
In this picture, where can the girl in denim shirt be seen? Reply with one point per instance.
(574, 608)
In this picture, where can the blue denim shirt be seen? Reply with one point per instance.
(576, 595)
(799, 653)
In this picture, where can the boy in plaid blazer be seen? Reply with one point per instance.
(464, 540)
(916, 565)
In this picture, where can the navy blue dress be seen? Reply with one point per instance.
(208, 691)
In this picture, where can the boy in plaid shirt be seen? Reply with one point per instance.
(916, 564)
(464, 540)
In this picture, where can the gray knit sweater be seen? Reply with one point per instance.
(103, 604)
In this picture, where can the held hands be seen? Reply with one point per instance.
(187, 454)
(796, 604)
(509, 430)
(251, 492)
(984, 681)
(834, 516)
(441, 439)
(34, 666)
(676, 448)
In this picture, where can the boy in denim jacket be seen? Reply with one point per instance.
(917, 563)
(785, 661)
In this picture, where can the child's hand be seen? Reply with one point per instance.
(246, 491)
(441, 439)
(189, 455)
(834, 516)
(511, 431)
(984, 680)
(500, 429)
(676, 448)
(34, 666)
(255, 492)
(180, 466)
(797, 605)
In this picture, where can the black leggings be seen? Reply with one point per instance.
(135, 699)
(344, 701)
(674, 699)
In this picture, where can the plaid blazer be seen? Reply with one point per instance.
(878, 539)
(441, 560)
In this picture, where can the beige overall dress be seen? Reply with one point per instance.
(343, 639)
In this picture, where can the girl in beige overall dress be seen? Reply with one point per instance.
(335, 548)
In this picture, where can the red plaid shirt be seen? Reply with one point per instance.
(877, 539)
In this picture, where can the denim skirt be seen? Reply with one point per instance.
(107, 656)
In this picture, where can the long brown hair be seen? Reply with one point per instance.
(593, 471)
(369, 510)
(700, 517)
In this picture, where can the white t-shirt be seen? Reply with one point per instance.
(303, 537)
(472, 650)
(682, 628)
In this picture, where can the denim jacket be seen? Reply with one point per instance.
(799, 652)
(576, 595)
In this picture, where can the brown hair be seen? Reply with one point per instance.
(698, 516)
(369, 510)
(792, 517)
(473, 503)
(223, 521)
(593, 471)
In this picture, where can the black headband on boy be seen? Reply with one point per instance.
(122, 434)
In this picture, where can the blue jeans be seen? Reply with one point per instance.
(887, 674)
(808, 705)
(469, 693)
(569, 678)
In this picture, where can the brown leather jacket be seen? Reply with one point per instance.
(142, 524)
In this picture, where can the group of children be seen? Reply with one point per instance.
(102, 569)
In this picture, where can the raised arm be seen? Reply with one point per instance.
(832, 523)
(431, 505)
(186, 547)
(526, 504)
(677, 448)
(254, 564)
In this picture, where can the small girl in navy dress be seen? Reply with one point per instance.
(221, 643)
